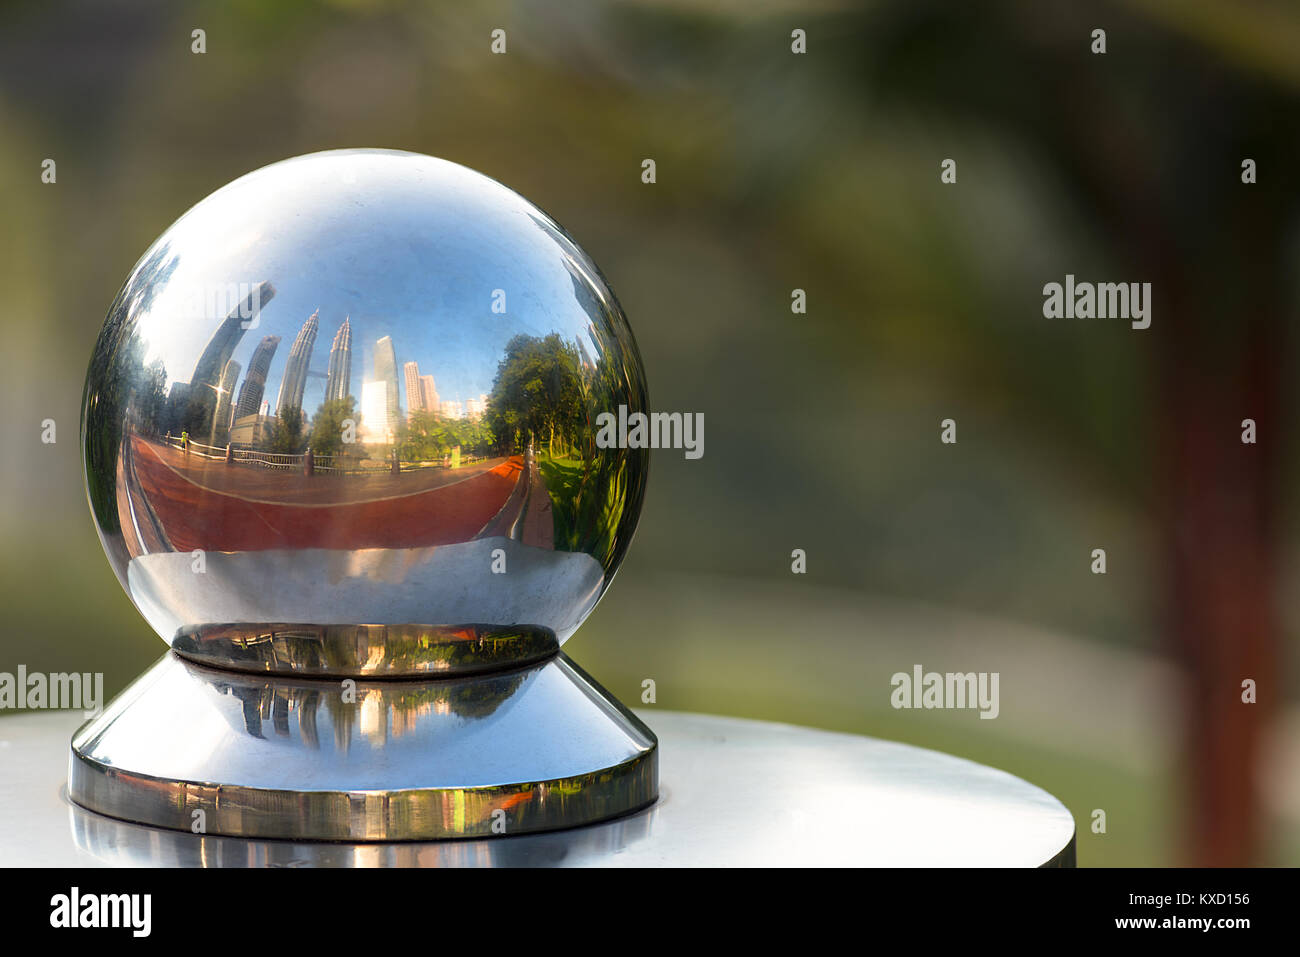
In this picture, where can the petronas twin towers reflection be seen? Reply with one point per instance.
(239, 421)
(216, 409)
(339, 377)
(295, 373)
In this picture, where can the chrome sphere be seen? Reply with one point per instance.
(342, 418)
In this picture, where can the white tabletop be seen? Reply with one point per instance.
(733, 793)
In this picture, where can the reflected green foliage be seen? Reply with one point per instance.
(428, 436)
(536, 396)
(329, 423)
(287, 436)
(545, 397)
(589, 500)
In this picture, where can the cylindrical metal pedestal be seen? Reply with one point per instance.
(219, 752)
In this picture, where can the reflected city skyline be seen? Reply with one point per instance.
(238, 412)
(372, 331)
(241, 412)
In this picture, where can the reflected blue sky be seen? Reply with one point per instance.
(406, 246)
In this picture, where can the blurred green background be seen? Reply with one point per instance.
(779, 171)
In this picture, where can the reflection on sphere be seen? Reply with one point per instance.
(341, 419)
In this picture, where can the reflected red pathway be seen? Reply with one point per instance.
(196, 517)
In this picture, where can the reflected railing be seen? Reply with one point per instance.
(297, 462)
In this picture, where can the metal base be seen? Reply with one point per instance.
(373, 651)
(220, 752)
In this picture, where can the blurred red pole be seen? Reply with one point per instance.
(1221, 548)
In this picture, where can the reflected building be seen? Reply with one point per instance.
(374, 412)
(208, 370)
(414, 390)
(421, 393)
(193, 407)
(338, 380)
(386, 372)
(178, 399)
(250, 393)
(252, 430)
(295, 371)
(226, 400)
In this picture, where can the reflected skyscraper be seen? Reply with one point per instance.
(416, 398)
(250, 393)
(374, 412)
(211, 364)
(295, 371)
(193, 408)
(386, 372)
(415, 403)
(226, 398)
(429, 393)
(338, 380)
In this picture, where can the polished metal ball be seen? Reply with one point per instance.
(342, 418)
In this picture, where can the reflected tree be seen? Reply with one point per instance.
(427, 436)
(329, 423)
(537, 395)
(287, 436)
(546, 395)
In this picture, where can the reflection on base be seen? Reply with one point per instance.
(123, 844)
(365, 650)
(511, 752)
